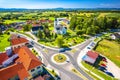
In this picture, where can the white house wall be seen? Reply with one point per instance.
(35, 72)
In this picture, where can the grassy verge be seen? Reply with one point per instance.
(110, 49)
(78, 73)
(4, 41)
(25, 34)
(97, 72)
(52, 72)
(34, 52)
(97, 39)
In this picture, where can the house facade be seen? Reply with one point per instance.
(115, 36)
(17, 41)
(35, 29)
(60, 25)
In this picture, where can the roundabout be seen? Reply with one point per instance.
(59, 58)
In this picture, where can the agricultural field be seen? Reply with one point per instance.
(110, 49)
(12, 21)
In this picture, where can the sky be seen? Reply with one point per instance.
(42, 4)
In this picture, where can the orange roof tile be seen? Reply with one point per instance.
(18, 41)
(3, 57)
(28, 59)
(16, 50)
(13, 70)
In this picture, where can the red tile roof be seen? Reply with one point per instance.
(92, 54)
(25, 62)
(16, 50)
(18, 41)
(13, 70)
(3, 57)
(34, 25)
(28, 59)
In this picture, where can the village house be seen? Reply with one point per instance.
(20, 66)
(60, 25)
(90, 57)
(115, 36)
(19, 63)
(17, 41)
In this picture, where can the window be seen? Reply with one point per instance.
(38, 67)
(32, 70)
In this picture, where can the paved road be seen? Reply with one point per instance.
(71, 75)
(73, 59)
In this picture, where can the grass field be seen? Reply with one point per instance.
(98, 72)
(12, 21)
(110, 49)
(4, 42)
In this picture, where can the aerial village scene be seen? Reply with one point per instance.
(59, 39)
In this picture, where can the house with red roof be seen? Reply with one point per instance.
(17, 41)
(90, 57)
(21, 66)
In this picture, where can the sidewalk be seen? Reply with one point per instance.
(79, 59)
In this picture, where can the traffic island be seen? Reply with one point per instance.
(59, 58)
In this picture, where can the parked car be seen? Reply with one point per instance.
(88, 48)
(109, 73)
(67, 49)
(32, 42)
(102, 68)
(62, 50)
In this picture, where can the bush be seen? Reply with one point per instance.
(8, 33)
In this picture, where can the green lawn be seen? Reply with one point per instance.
(52, 72)
(13, 21)
(68, 41)
(34, 52)
(98, 72)
(4, 42)
(110, 49)
(22, 32)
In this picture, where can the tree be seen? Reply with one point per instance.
(89, 30)
(73, 23)
(59, 41)
(78, 27)
(80, 32)
(0, 31)
(27, 27)
(39, 34)
(47, 32)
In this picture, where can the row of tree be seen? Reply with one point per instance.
(92, 25)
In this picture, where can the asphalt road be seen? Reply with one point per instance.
(73, 60)
(69, 74)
